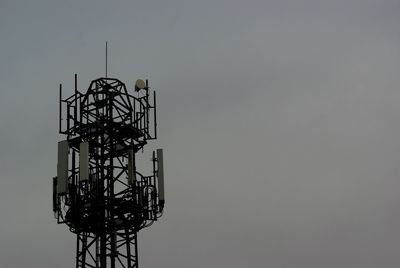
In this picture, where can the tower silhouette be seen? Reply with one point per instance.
(98, 192)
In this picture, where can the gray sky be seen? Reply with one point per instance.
(279, 119)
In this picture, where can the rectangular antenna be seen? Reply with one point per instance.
(155, 114)
(62, 167)
(55, 196)
(84, 161)
(131, 167)
(160, 175)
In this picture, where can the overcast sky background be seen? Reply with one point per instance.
(280, 122)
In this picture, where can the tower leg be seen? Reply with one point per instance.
(88, 254)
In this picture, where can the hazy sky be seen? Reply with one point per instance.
(280, 122)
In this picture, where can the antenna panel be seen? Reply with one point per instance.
(160, 174)
(131, 167)
(62, 167)
(55, 203)
(84, 161)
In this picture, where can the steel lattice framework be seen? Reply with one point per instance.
(107, 208)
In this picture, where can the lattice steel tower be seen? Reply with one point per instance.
(98, 191)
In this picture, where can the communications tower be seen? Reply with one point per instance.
(98, 192)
